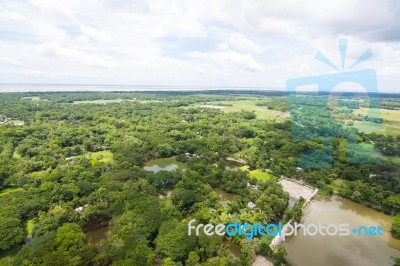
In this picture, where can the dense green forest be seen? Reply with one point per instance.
(73, 161)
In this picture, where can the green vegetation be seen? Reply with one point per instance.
(258, 173)
(393, 159)
(396, 227)
(261, 175)
(369, 127)
(336, 185)
(389, 126)
(32, 98)
(296, 212)
(29, 227)
(10, 190)
(261, 112)
(164, 162)
(105, 101)
(16, 155)
(100, 156)
(71, 168)
(15, 122)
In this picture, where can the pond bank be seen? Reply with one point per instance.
(296, 191)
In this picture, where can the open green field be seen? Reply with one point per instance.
(244, 168)
(258, 173)
(261, 175)
(103, 101)
(32, 98)
(100, 156)
(29, 227)
(15, 122)
(390, 125)
(394, 159)
(262, 112)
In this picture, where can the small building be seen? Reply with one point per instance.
(251, 205)
(79, 209)
(252, 186)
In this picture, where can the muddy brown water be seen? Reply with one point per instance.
(343, 250)
(96, 235)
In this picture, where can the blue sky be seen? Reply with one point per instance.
(193, 43)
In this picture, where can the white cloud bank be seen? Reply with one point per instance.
(192, 43)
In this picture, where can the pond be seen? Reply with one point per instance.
(224, 196)
(94, 236)
(232, 247)
(343, 250)
(164, 164)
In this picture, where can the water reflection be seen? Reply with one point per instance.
(164, 164)
(156, 168)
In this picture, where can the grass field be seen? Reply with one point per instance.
(10, 190)
(164, 162)
(369, 127)
(390, 125)
(117, 101)
(258, 173)
(33, 98)
(248, 105)
(16, 155)
(29, 227)
(103, 101)
(100, 156)
(15, 122)
(261, 175)
(244, 167)
(394, 159)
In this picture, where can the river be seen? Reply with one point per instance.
(343, 250)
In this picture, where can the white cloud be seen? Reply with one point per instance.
(229, 58)
(256, 43)
(6, 16)
(240, 41)
(74, 55)
(95, 35)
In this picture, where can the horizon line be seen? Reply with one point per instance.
(153, 88)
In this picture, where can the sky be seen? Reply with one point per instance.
(210, 43)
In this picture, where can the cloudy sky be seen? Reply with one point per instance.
(212, 43)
